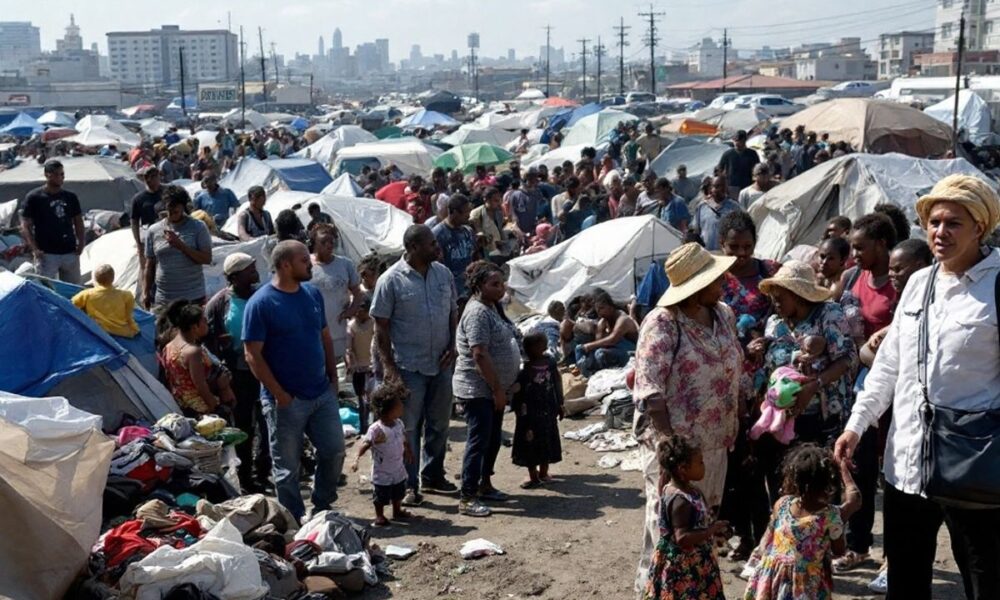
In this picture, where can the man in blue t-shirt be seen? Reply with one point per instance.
(216, 200)
(289, 349)
(456, 240)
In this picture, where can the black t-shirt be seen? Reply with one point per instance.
(147, 206)
(739, 166)
(52, 217)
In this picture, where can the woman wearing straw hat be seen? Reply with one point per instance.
(687, 377)
(941, 359)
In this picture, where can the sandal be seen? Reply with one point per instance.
(382, 523)
(849, 561)
(531, 484)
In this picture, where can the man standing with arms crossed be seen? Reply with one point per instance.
(290, 351)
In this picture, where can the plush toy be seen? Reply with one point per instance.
(785, 383)
(744, 325)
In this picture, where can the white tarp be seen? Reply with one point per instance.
(97, 127)
(558, 156)
(472, 133)
(596, 129)
(409, 155)
(796, 211)
(57, 119)
(973, 115)
(53, 467)
(699, 157)
(341, 186)
(325, 149)
(99, 182)
(610, 255)
(253, 118)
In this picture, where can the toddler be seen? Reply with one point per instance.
(537, 406)
(360, 335)
(110, 308)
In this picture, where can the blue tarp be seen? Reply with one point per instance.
(44, 339)
(23, 125)
(428, 119)
(299, 124)
(566, 118)
(301, 174)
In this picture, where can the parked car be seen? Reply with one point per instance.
(612, 100)
(722, 99)
(637, 97)
(852, 89)
(776, 106)
(740, 101)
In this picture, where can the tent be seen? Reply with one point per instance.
(427, 119)
(54, 463)
(595, 129)
(139, 111)
(699, 157)
(689, 127)
(613, 255)
(558, 156)
(467, 157)
(273, 174)
(560, 102)
(23, 125)
(747, 119)
(531, 94)
(326, 148)
(875, 126)
(441, 101)
(57, 133)
(253, 118)
(155, 127)
(100, 130)
(409, 155)
(973, 115)
(57, 118)
(53, 348)
(796, 211)
(344, 186)
(99, 182)
(471, 133)
(366, 225)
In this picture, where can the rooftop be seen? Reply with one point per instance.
(749, 82)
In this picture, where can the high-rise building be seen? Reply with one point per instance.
(368, 59)
(897, 50)
(322, 49)
(70, 62)
(705, 58)
(72, 40)
(382, 44)
(153, 56)
(338, 39)
(511, 55)
(20, 42)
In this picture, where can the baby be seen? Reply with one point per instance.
(109, 307)
(811, 357)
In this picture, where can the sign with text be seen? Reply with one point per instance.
(218, 96)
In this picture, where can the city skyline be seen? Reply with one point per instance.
(503, 25)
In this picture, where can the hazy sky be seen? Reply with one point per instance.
(441, 25)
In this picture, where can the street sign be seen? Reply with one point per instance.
(218, 95)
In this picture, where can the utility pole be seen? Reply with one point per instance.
(651, 40)
(725, 58)
(243, 82)
(475, 74)
(621, 55)
(311, 103)
(548, 52)
(274, 59)
(583, 57)
(599, 53)
(180, 52)
(958, 83)
(263, 65)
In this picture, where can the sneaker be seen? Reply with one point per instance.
(413, 498)
(494, 495)
(440, 486)
(473, 508)
(880, 585)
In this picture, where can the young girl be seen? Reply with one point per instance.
(684, 564)
(537, 405)
(390, 452)
(806, 530)
(360, 333)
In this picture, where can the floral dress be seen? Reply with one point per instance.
(180, 382)
(796, 556)
(743, 295)
(677, 574)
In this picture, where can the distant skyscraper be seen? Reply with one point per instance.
(19, 43)
(383, 53)
(415, 54)
(72, 39)
(338, 39)
(322, 49)
(511, 55)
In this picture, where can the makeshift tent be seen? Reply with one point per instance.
(497, 120)
(746, 119)
(531, 94)
(699, 157)
(254, 119)
(875, 126)
(57, 118)
(471, 133)
(54, 464)
(275, 174)
(578, 113)
(206, 139)
(23, 125)
(409, 155)
(155, 127)
(689, 127)
(559, 102)
(53, 348)
(101, 130)
(467, 157)
(796, 211)
(98, 182)
(326, 148)
(366, 225)
(139, 111)
(595, 129)
(973, 115)
(344, 186)
(388, 132)
(427, 119)
(441, 101)
(57, 133)
(299, 124)
(613, 255)
(558, 156)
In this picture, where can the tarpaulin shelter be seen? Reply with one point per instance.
(54, 464)
(471, 133)
(325, 149)
(155, 127)
(98, 182)
(531, 94)
(558, 156)
(51, 347)
(875, 126)
(559, 102)
(973, 115)
(595, 129)
(700, 158)
(57, 133)
(23, 125)
(409, 155)
(613, 255)
(441, 101)
(273, 174)
(427, 119)
(57, 118)
(344, 186)
(731, 121)
(139, 110)
(101, 130)
(467, 157)
(387, 132)
(689, 127)
(253, 118)
(796, 211)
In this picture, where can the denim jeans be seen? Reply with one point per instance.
(318, 418)
(602, 358)
(64, 267)
(485, 425)
(255, 453)
(425, 416)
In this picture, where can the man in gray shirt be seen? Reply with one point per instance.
(177, 250)
(684, 186)
(709, 213)
(415, 311)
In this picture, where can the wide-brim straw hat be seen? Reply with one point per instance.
(691, 269)
(798, 278)
(974, 194)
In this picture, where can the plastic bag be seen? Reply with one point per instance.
(478, 548)
(349, 416)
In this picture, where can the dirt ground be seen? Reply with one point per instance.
(579, 536)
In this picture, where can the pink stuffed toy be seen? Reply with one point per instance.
(784, 384)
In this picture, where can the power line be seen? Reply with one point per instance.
(622, 29)
(651, 40)
(548, 51)
(583, 56)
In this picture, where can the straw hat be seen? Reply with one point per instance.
(971, 192)
(691, 269)
(798, 278)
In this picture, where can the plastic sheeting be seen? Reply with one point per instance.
(325, 149)
(427, 119)
(343, 547)
(53, 467)
(595, 129)
(796, 212)
(409, 155)
(699, 157)
(587, 261)
(297, 174)
(23, 125)
(471, 133)
(973, 115)
(99, 183)
(558, 156)
(344, 186)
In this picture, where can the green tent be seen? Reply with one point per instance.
(467, 157)
(388, 132)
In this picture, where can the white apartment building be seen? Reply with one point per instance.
(19, 43)
(896, 52)
(982, 24)
(706, 58)
(153, 57)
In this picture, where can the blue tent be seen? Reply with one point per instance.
(428, 119)
(299, 124)
(567, 117)
(23, 125)
(297, 174)
(583, 111)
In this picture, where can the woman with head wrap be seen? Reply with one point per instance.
(955, 366)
